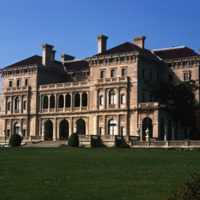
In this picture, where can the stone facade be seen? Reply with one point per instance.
(108, 94)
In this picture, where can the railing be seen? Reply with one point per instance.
(150, 105)
(17, 89)
(112, 80)
(63, 85)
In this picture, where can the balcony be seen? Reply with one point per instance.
(64, 85)
(112, 80)
(151, 105)
(18, 89)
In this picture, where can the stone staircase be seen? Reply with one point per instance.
(60, 143)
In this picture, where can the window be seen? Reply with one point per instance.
(52, 101)
(150, 75)
(142, 73)
(45, 102)
(123, 131)
(17, 103)
(101, 100)
(123, 99)
(186, 76)
(113, 73)
(102, 74)
(123, 72)
(112, 97)
(26, 82)
(170, 78)
(101, 131)
(25, 105)
(18, 83)
(122, 59)
(143, 97)
(16, 128)
(8, 132)
(84, 99)
(10, 83)
(9, 105)
(112, 127)
(112, 60)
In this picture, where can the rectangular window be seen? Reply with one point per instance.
(18, 83)
(101, 100)
(123, 99)
(186, 76)
(26, 82)
(8, 132)
(101, 131)
(142, 73)
(9, 105)
(123, 131)
(123, 72)
(10, 83)
(102, 74)
(112, 73)
(150, 75)
(25, 105)
(143, 97)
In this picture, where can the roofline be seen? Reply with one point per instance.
(170, 48)
(69, 61)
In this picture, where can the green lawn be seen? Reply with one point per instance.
(94, 173)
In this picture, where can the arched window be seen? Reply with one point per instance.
(61, 101)
(45, 102)
(77, 100)
(17, 103)
(112, 127)
(68, 101)
(52, 101)
(84, 99)
(16, 128)
(112, 97)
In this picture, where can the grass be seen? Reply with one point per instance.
(94, 173)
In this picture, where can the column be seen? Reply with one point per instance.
(21, 103)
(41, 103)
(173, 132)
(12, 105)
(54, 130)
(81, 100)
(48, 102)
(141, 131)
(72, 97)
(118, 97)
(21, 126)
(56, 102)
(118, 125)
(166, 133)
(107, 99)
(104, 125)
(104, 99)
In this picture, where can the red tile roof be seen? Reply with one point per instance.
(175, 52)
(35, 60)
(76, 65)
(127, 47)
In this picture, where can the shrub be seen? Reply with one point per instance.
(121, 144)
(73, 140)
(189, 190)
(15, 140)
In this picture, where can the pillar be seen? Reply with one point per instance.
(104, 125)
(118, 125)
(166, 133)
(54, 130)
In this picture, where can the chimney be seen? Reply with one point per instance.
(139, 41)
(65, 57)
(47, 55)
(53, 52)
(102, 41)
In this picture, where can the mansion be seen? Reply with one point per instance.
(107, 94)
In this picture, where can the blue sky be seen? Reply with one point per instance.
(72, 26)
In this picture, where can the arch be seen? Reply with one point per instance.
(48, 129)
(112, 97)
(45, 102)
(68, 101)
(77, 100)
(84, 99)
(52, 101)
(81, 127)
(64, 129)
(17, 103)
(16, 128)
(61, 101)
(112, 127)
(147, 123)
(162, 129)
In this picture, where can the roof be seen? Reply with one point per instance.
(35, 60)
(175, 52)
(127, 47)
(76, 65)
